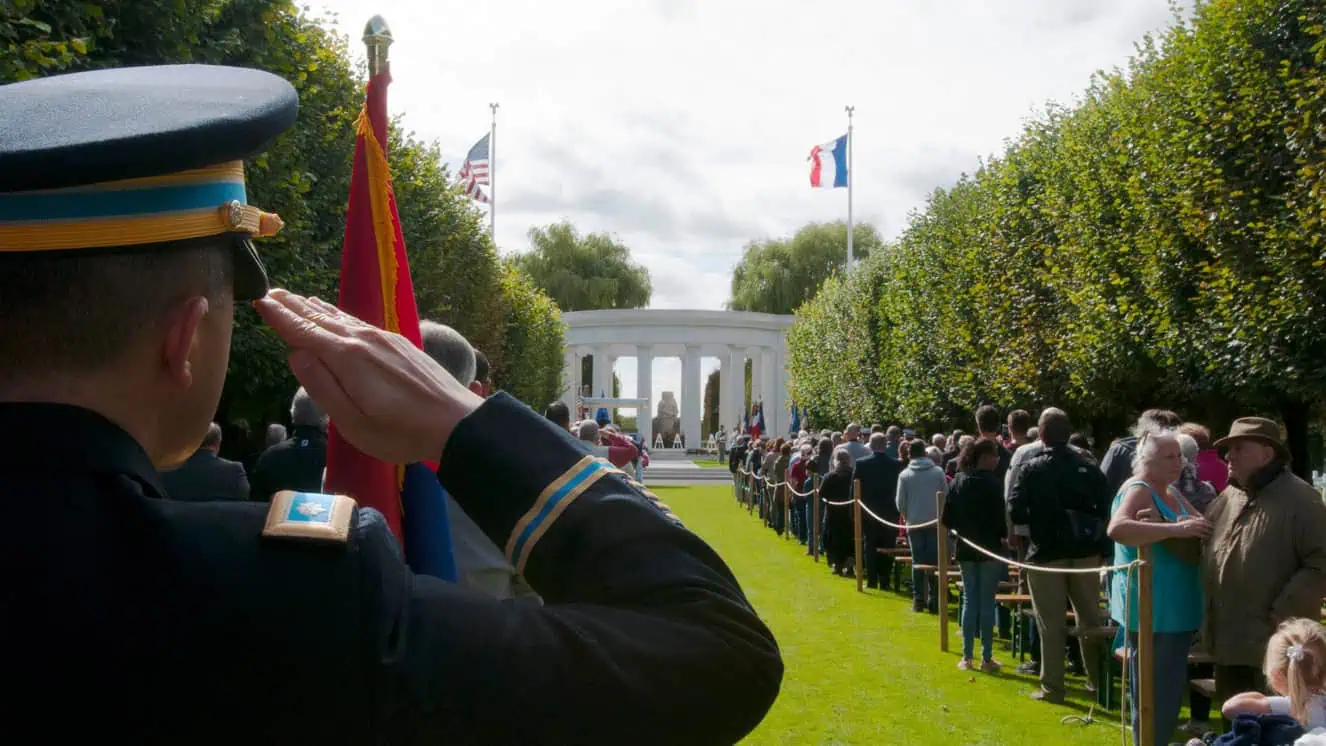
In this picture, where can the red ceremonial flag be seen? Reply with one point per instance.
(376, 287)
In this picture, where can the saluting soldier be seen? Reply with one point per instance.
(125, 240)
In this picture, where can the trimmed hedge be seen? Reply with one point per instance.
(1160, 242)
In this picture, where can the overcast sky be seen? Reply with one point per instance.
(683, 126)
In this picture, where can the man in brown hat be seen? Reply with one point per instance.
(1266, 559)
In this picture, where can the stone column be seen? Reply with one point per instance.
(692, 396)
(570, 378)
(778, 405)
(602, 378)
(756, 360)
(733, 396)
(644, 388)
(768, 394)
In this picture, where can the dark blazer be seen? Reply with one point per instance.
(878, 473)
(206, 476)
(295, 463)
(644, 636)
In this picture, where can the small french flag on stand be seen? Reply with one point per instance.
(828, 164)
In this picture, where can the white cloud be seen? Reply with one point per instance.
(683, 126)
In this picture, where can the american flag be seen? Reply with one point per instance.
(475, 171)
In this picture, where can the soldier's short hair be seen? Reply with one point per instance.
(213, 437)
(450, 349)
(75, 312)
(304, 412)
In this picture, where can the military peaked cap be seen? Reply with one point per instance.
(138, 156)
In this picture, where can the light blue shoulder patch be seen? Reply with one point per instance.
(309, 516)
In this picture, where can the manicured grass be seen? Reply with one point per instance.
(710, 463)
(861, 668)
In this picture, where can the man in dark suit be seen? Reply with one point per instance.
(207, 476)
(296, 463)
(878, 473)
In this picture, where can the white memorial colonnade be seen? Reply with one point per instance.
(648, 334)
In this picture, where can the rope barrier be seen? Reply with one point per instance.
(906, 527)
(965, 540)
(1042, 568)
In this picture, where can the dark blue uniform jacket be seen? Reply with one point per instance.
(128, 617)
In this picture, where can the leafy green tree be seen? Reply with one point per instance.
(304, 177)
(584, 272)
(1159, 243)
(534, 336)
(777, 275)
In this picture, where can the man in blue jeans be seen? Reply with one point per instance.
(917, 486)
(924, 543)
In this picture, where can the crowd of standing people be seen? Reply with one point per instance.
(1238, 546)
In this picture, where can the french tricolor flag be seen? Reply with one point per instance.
(828, 164)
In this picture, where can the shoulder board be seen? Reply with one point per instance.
(309, 516)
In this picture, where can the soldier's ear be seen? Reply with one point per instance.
(477, 387)
(180, 340)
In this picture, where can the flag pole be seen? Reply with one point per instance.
(492, 174)
(851, 182)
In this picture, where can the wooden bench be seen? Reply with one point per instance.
(901, 564)
(1021, 623)
(1004, 587)
(1104, 668)
(895, 552)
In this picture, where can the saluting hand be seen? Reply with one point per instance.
(386, 396)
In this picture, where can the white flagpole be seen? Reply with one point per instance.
(492, 175)
(851, 182)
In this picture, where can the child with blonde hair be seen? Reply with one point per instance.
(1296, 669)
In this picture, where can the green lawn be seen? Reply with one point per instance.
(710, 463)
(862, 668)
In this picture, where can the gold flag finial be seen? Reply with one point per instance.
(377, 37)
